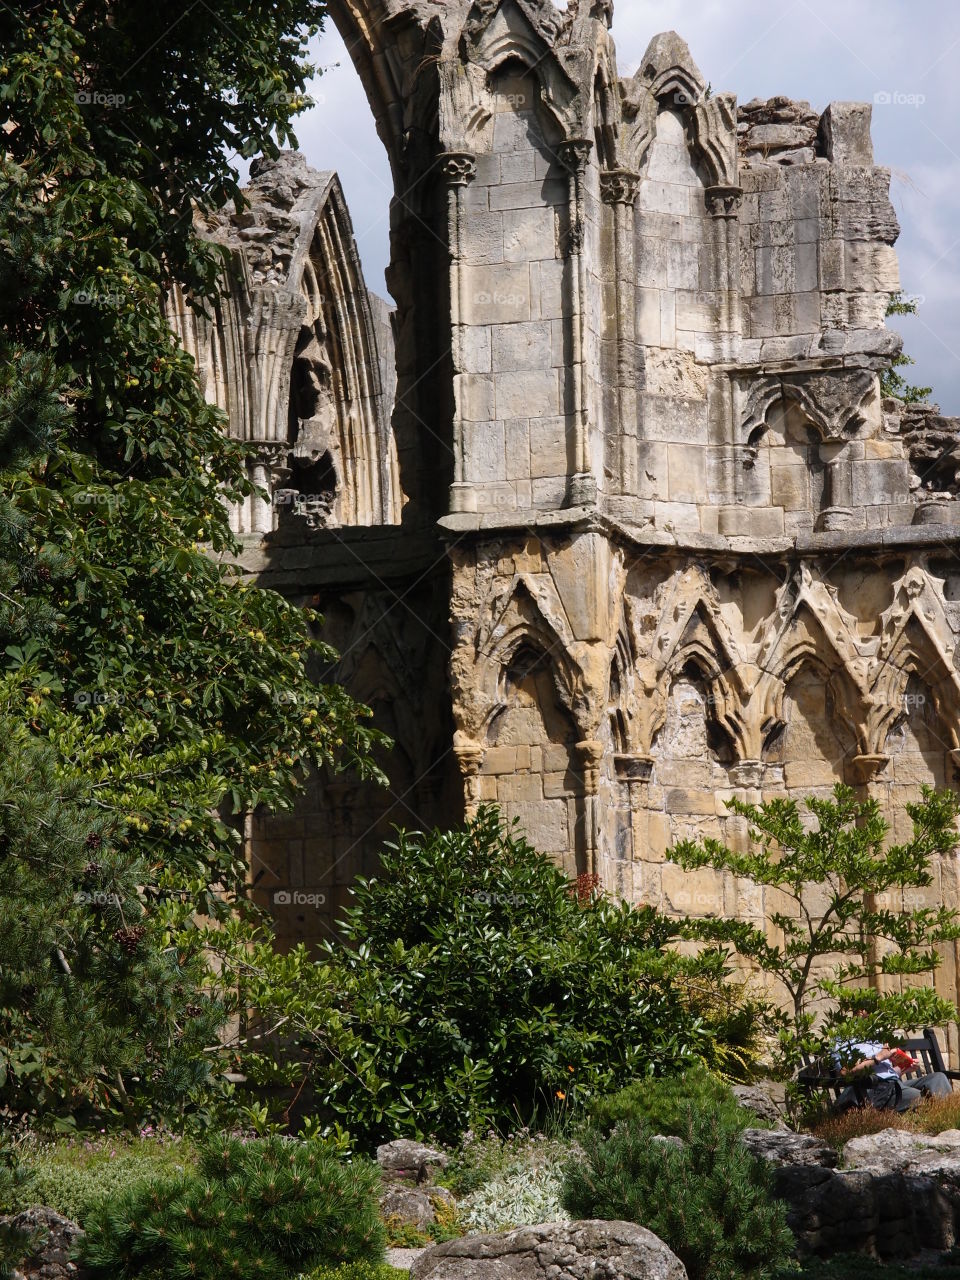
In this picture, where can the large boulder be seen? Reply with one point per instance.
(899, 1151)
(767, 1099)
(781, 1146)
(54, 1240)
(572, 1250)
(414, 1206)
(409, 1160)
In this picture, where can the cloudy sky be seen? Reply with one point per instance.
(903, 55)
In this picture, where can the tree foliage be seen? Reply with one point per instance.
(478, 987)
(893, 383)
(845, 918)
(170, 695)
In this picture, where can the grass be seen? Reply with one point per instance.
(932, 1116)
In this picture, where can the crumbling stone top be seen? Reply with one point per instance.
(777, 131)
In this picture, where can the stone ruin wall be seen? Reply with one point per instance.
(640, 534)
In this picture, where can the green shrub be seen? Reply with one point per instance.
(75, 1176)
(359, 1271)
(256, 1210)
(707, 1198)
(665, 1104)
(480, 987)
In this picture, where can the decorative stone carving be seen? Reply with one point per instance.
(619, 186)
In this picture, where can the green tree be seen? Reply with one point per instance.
(172, 695)
(891, 382)
(834, 878)
(93, 996)
(478, 987)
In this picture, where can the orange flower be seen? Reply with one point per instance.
(570, 1068)
(561, 1094)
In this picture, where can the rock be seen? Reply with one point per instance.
(56, 1238)
(781, 1146)
(896, 1150)
(573, 1250)
(411, 1205)
(403, 1259)
(410, 1160)
(767, 1099)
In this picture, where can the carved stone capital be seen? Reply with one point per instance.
(865, 768)
(724, 201)
(274, 457)
(575, 155)
(591, 753)
(619, 186)
(469, 755)
(459, 167)
(633, 767)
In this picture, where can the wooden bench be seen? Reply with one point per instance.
(926, 1049)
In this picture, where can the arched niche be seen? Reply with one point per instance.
(673, 234)
(814, 742)
(692, 749)
(784, 467)
(530, 767)
(918, 743)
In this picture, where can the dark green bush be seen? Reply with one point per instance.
(665, 1104)
(258, 1210)
(708, 1199)
(482, 989)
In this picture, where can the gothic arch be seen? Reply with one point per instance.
(295, 357)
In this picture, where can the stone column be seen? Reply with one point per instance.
(270, 470)
(864, 770)
(635, 770)
(723, 205)
(459, 169)
(575, 155)
(618, 188)
(837, 511)
(591, 753)
(469, 755)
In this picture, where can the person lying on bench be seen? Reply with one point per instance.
(883, 1089)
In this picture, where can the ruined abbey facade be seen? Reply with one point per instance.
(608, 518)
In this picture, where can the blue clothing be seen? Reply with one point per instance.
(857, 1050)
